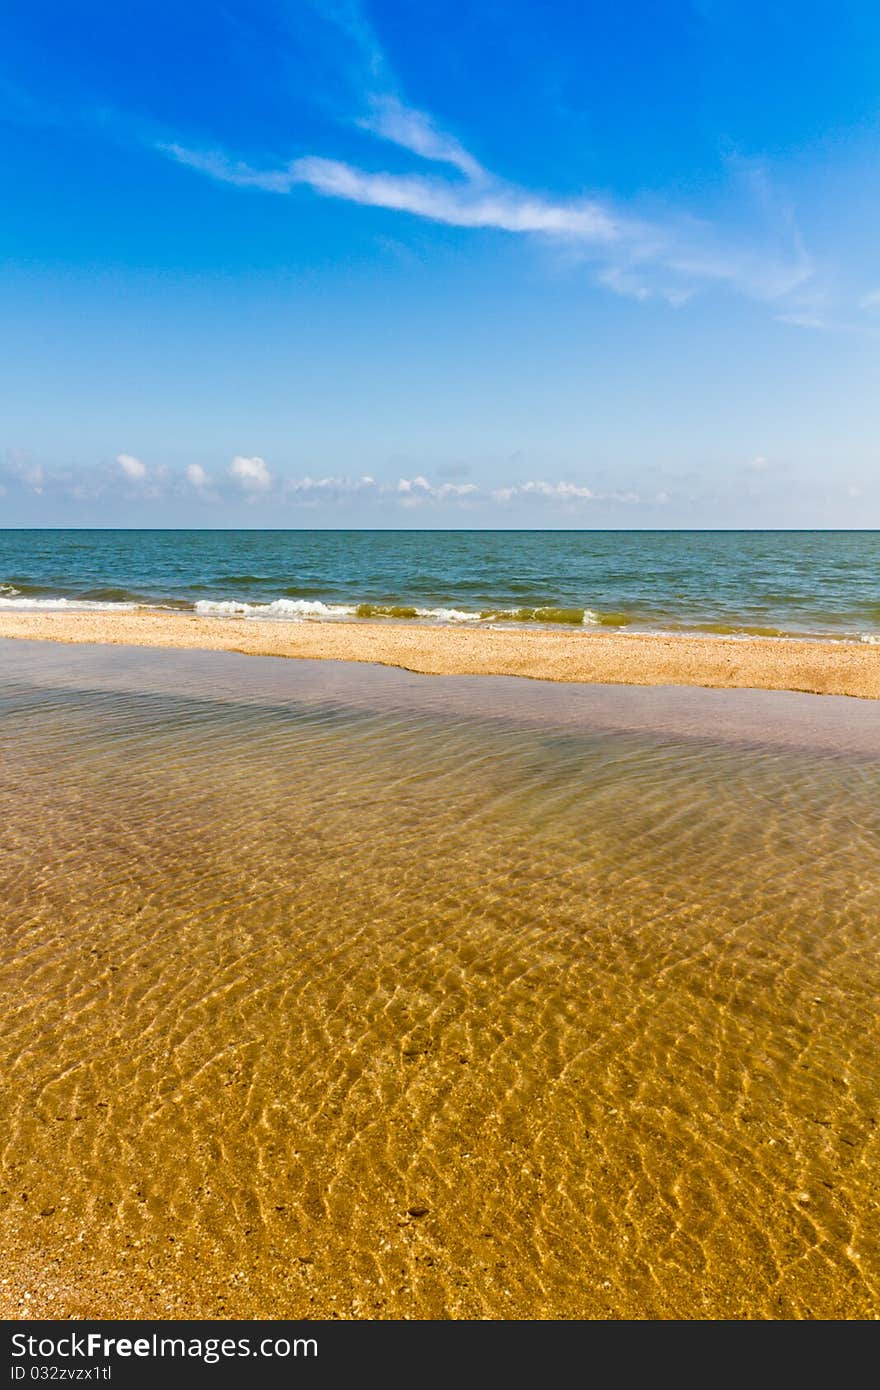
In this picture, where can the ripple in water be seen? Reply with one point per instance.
(363, 1004)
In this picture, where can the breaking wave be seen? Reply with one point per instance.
(279, 608)
(62, 605)
(286, 608)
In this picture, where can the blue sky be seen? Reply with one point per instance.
(475, 264)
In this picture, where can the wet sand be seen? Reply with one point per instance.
(821, 668)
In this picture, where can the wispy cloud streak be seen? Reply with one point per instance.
(417, 132)
(458, 205)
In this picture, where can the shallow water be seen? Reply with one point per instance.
(336, 991)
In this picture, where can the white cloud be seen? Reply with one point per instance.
(871, 301)
(132, 467)
(759, 464)
(566, 492)
(218, 166)
(465, 204)
(418, 489)
(669, 259)
(34, 477)
(455, 490)
(417, 132)
(21, 469)
(623, 282)
(251, 473)
(348, 18)
(252, 476)
(458, 205)
(639, 260)
(331, 488)
(802, 320)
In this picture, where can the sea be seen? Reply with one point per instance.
(823, 584)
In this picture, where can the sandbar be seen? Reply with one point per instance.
(816, 667)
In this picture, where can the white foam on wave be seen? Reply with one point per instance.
(590, 619)
(9, 589)
(872, 638)
(448, 615)
(63, 605)
(297, 609)
(279, 608)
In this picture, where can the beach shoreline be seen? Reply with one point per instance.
(810, 666)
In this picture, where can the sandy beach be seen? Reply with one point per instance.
(822, 668)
